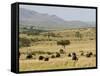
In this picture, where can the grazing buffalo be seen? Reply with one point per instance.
(29, 56)
(46, 59)
(57, 54)
(89, 54)
(41, 57)
(74, 56)
(53, 56)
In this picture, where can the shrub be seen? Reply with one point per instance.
(24, 42)
(49, 53)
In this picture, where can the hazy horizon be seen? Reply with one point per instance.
(66, 13)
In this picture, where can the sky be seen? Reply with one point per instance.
(66, 13)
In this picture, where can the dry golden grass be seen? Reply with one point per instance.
(58, 63)
(64, 62)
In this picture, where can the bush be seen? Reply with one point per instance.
(49, 53)
(24, 42)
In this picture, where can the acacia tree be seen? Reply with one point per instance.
(63, 43)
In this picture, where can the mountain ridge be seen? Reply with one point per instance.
(33, 18)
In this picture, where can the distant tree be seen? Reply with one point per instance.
(63, 43)
(78, 34)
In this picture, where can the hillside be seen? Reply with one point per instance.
(46, 21)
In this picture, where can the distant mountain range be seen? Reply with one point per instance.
(46, 21)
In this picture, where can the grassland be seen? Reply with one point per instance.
(81, 40)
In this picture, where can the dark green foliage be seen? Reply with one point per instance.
(63, 42)
(31, 30)
(26, 42)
